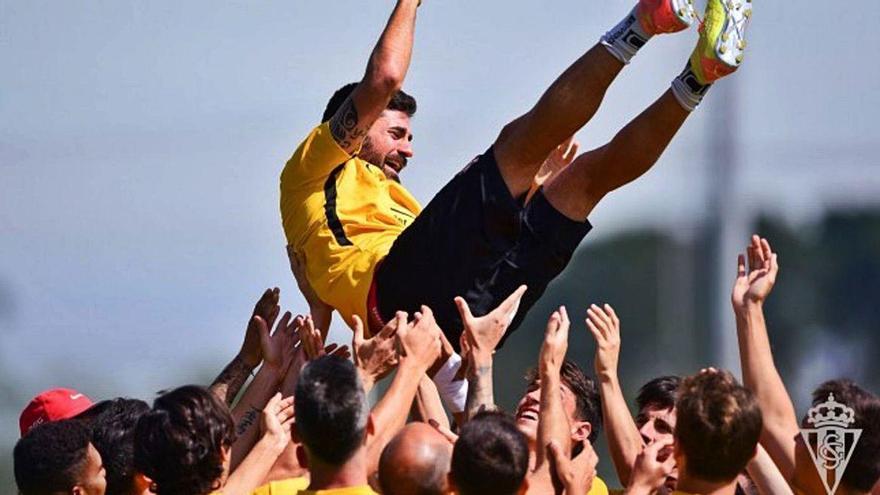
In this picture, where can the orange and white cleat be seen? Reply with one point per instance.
(722, 44)
(665, 16)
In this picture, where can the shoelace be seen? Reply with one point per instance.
(730, 5)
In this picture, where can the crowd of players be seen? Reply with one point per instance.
(304, 424)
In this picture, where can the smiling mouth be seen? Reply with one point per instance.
(527, 414)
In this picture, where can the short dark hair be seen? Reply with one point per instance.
(717, 426)
(863, 470)
(50, 457)
(658, 393)
(113, 435)
(179, 443)
(490, 456)
(588, 402)
(401, 102)
(331, 409)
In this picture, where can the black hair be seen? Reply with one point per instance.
(179, 443)
(401, 102)
(50, 458)
(113, 428)
(490, 456)
(863, 470)
(331, 409)
(658, 393)
(588, 402)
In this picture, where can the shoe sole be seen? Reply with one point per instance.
(731, 44)
(684, 11)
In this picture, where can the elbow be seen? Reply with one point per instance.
(386, 80)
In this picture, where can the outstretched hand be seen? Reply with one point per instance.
(419, 345)
(755, 282)
(604, 324)
(256, 337)
(555, 342)
(483, 333)
(277, 419)
(557, 160)
(377, 356)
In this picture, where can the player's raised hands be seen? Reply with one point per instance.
(377, 356)
(604, 324)
(755, 281)
(256, 337)
(483, 333)
(419, 344)
(555, 342)
(277, 419)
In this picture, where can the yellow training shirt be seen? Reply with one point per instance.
(598, 488)
(289, 486)
(343, 215)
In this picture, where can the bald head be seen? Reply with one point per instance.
(415, 462)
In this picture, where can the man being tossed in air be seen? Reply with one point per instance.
(370, 250)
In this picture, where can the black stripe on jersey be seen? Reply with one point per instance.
(330, 208)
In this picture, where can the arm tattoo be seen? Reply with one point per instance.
(247, 421)
(228, 383)
(344, 126)
(480, 396)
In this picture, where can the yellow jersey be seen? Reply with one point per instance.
(297, 486)
(598, 488)
(289, 486)
(352, 490)
(343, 215)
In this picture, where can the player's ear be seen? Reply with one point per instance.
(580, 432)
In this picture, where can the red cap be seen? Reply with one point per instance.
(52, 405)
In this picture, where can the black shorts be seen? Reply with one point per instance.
(477, 241)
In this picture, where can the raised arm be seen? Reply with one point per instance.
(277, 358)
(419, 348)
(385, 73)
(479, 339)
(624, 440)
(256, 338)
(553, 424)
(751, 289)
(276, 421)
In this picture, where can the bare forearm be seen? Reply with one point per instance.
(480, 394)
(428, 403)
(229, 382)
(253, 470)
(761, 376)
(246, 413)
(552, 423)
(624, 439)
(389, 415)
(322, 315)
(391, 57)
(766, 475)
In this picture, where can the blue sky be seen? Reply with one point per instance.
(141, 143)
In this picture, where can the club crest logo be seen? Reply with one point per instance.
(831, 442)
